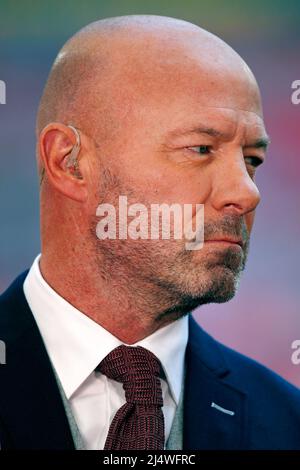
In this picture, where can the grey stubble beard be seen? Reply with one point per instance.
(162, 284)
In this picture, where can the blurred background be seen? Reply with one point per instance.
(264, 318)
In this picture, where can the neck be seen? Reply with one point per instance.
(125, 305)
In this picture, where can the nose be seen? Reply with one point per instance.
(234, 191)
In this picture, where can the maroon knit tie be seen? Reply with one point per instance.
(139, 424)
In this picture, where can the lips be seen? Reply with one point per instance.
(226, 240)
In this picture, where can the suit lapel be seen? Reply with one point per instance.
(31, 408)
(214, 411)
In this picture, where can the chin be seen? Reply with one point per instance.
(194, 289)
(218, 286)
(219, 296)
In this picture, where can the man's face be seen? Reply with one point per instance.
(190, 137)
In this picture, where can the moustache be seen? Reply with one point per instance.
(229, 228)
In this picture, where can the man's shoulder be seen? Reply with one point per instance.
(13, 290)
(245, 370)
(13, 306)
(273, 403)
(264, 388)
(244, 403)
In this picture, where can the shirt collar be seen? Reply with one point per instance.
(76, 344)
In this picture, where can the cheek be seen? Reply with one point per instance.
(185, 185)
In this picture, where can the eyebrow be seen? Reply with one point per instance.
(197, 130)
(262, 142)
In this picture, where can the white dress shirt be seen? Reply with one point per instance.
(76, 345)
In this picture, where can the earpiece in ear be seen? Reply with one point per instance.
(72, 159)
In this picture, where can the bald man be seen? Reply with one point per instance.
(157, 111)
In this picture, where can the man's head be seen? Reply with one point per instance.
(167, 113)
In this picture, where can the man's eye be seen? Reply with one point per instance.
(254, 161)
(201, 149)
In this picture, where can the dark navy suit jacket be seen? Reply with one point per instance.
(265, 409)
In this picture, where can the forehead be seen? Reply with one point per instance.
(175, 90)
(175, 86)
(181, 88)
(182, 115)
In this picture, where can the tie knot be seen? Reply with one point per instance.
(138, 370)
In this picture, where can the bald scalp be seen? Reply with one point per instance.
(82, 66)
(81, 80)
